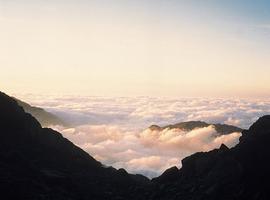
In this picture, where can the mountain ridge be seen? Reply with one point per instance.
(39, 162)
(191, 125)
(44, 117)
(241, 172)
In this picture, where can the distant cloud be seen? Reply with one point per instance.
(140, 112)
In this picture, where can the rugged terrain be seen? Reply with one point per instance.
(38, 163)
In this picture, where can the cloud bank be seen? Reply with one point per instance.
(149, 152)
(140, 112)
(114, 130)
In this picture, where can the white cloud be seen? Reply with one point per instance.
(149, 152)
(140, 112)
(114, 130)
(202, 139)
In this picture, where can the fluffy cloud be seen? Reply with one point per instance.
(149, 152)
(202, 139)
(140, 112)
(114, 130)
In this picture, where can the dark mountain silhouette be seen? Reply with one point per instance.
(222, 129)
(238, 173)
(45, 118)
(38, 163)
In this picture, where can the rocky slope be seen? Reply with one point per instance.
(238, 173)
(38, 163)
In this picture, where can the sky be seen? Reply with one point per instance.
(197, 48)
(115, 67)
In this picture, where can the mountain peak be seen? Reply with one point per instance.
(191, 125)
(261, 125)
(223, 147)
(155, 127)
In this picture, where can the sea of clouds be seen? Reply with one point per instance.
(115, 130)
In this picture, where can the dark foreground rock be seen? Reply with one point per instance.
(38, 163)
(242, 172)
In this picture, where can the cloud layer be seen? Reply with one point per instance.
(149, 152)
(140, 112)
(114, 130)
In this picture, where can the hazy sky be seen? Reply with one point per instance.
(142, 47)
